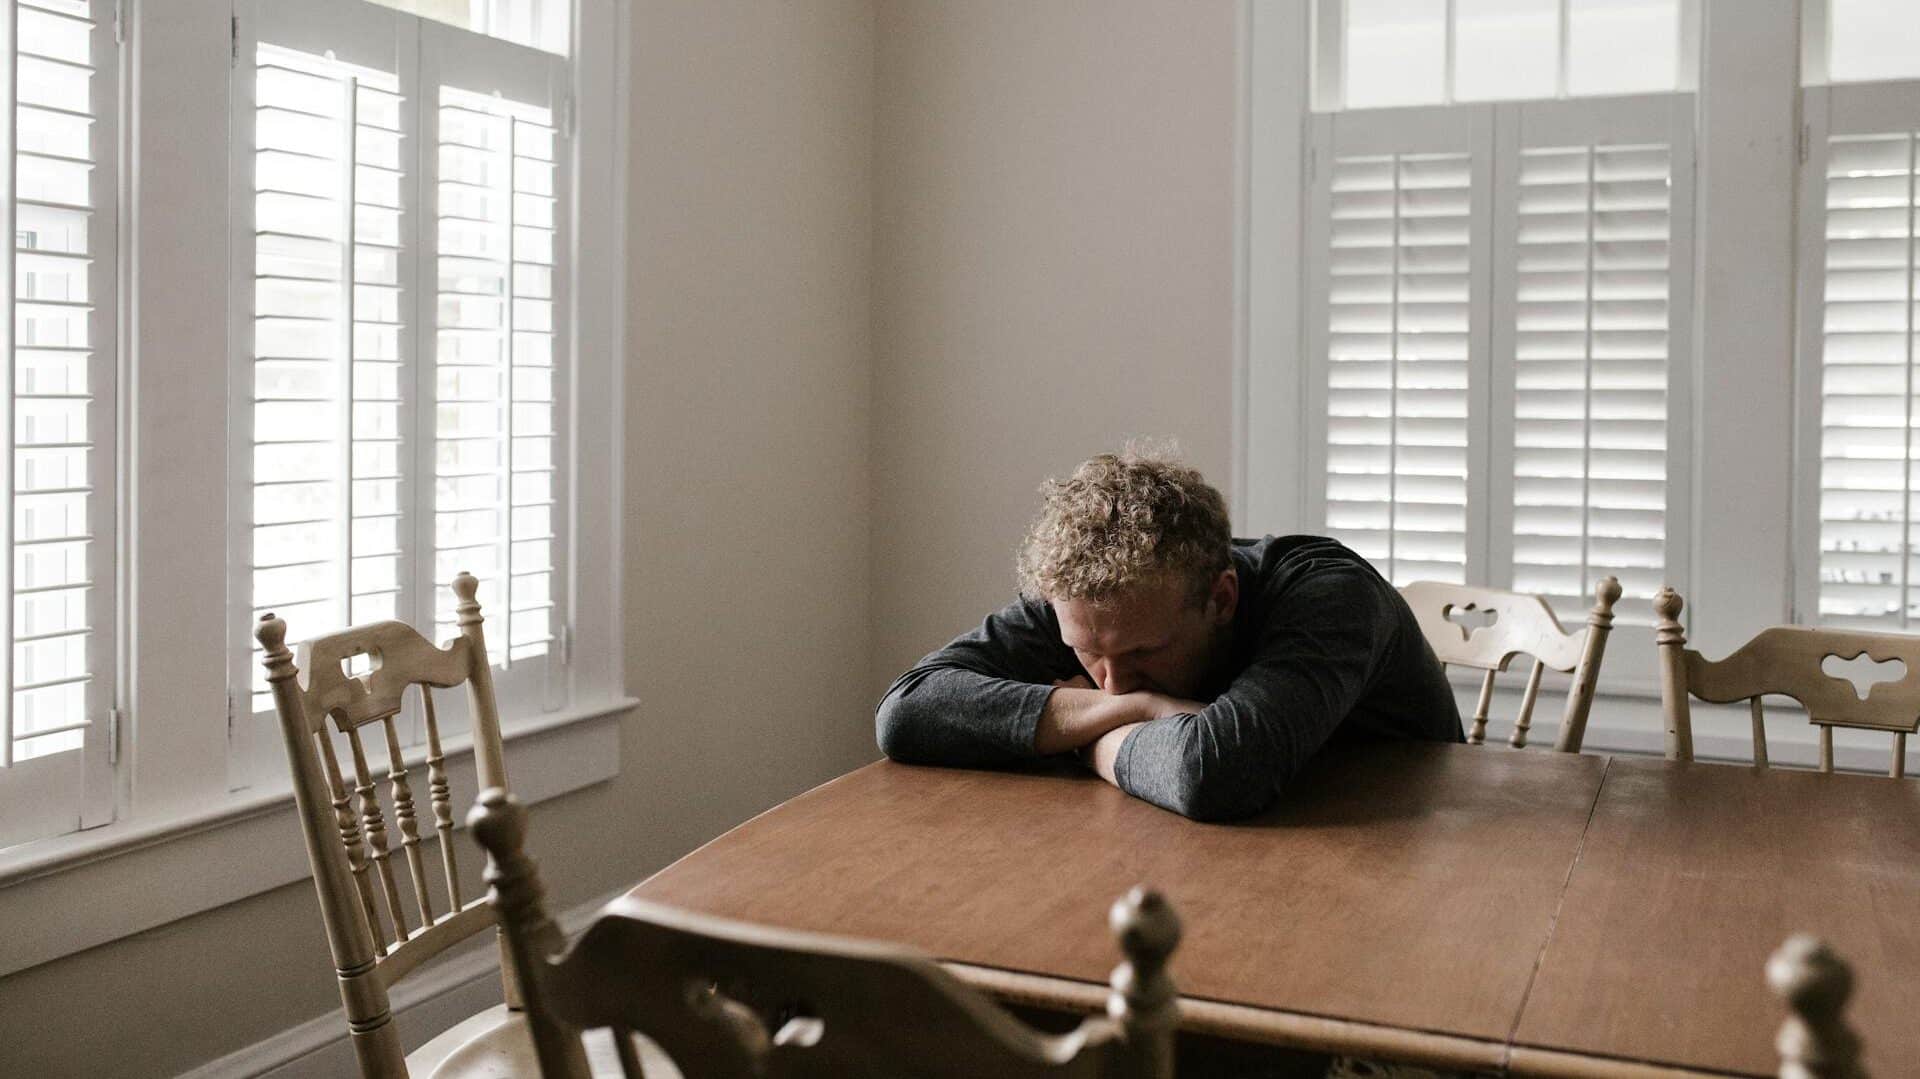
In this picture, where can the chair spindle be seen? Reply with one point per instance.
(1759, 732)
(1524, 721)
(439, 792)
(1479, 732)
(349, 826)
(403, 815)
(629, 1056)
(1814, 1042)
(1826, 748)
(1899, 769)
(376, 825)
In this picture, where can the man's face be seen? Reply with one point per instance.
(1156, 636)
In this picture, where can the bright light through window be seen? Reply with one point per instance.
(1622, 46)
(1506, 49)
(543, 24)
(1873, 39)
(1395, 52)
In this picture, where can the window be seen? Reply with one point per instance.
(543, 24)
(406, 358)
(1859, 300)
(355, 188)
(1498, 297)
(55, 729)
(1431, 52)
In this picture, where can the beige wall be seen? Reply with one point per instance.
(747, 381)
(1054, 191)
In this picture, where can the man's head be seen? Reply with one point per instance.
(1132, 551)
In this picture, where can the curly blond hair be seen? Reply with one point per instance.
(1122, 518)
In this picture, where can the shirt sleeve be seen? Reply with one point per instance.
(978, 700)
(1321, 651)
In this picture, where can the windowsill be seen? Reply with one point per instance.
(184, 865)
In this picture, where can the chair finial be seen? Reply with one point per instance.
(271, 632)
(499, 823)
(1814, 1042)
(1144, 1000)
(465, 587)
(1146, 926)
(1607, 593)
(1668, 604)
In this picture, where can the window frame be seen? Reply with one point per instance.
(178, 812)
(1745, 558)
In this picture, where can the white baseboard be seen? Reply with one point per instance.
(428, 1002)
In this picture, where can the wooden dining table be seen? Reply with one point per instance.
(1467, 907)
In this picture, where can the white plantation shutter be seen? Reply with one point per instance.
(500, 293)
(1498, 329)
(1590, 304)
(55, 771)
(403, 266)
(1858, 345)
(1397, 332)
(329, 326)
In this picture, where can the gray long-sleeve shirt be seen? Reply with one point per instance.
(1323, 648)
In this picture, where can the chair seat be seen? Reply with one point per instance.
(495, 1044)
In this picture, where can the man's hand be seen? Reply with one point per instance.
(1078, 715)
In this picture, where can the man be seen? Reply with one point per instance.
(1188, 668)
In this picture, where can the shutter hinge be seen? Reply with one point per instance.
(120, 21)
(1805, 139)
(113, 736)
(233, 41)
(566, 645)
(233, 713)
(569, 118)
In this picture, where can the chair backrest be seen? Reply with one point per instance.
(1788, 660)
(376, 935)
(1815, 1041)
(1496, 626)
(731, 1000)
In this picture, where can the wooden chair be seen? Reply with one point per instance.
(729, 1000)
(1787, 660)
(1814, 1042)
(1521, 624)
(377, 935)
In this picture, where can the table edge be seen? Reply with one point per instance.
(1567, 1064)
(1316, 1033)
(1293, 1030)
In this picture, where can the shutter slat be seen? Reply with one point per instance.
(1866, 402)
(54, 558)
(328, 326)
(497, 456)
(1590, 368)
(1398, 322)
